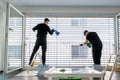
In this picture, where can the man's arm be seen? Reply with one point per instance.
(50, 31)
(86, 41)
(35, 28)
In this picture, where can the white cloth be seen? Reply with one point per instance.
(42, 69)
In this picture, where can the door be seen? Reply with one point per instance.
(14, 40)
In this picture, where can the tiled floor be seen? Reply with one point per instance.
(23, 75)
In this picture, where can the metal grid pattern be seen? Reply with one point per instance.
(59, 48)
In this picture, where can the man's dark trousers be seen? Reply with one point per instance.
(41, 41)
(97, 52)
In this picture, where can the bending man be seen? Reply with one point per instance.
(94, 39)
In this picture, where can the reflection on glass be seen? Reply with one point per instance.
(15, 40)
(118, 21)
(119, 28)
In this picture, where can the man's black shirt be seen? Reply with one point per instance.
(94, 39)
(42, 30)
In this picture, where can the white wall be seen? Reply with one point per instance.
(2, 32)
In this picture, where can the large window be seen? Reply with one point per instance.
(62, 49)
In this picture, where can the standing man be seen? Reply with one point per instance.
(94, 39)
(42, 30)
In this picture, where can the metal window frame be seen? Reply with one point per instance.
(117, 35)
(6, 39)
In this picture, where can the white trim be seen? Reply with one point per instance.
(90, 15)
(23, 41)
(6, 40)
(117, 35)
(15, 9)
(68, 11)
(14, 69)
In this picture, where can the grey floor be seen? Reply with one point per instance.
(23, 75)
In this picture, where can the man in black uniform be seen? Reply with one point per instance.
(42, 30)
(94, 39)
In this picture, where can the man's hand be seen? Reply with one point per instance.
(53, 30)
(81, 44)
(33, 30)
(56, 32)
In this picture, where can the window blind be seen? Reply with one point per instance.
(59, 48)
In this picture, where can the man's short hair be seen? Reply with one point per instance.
(85, 31)
(46, 19)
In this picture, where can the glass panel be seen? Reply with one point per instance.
(15, 36)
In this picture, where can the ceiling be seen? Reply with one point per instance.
(84, 3)
(65, 7)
